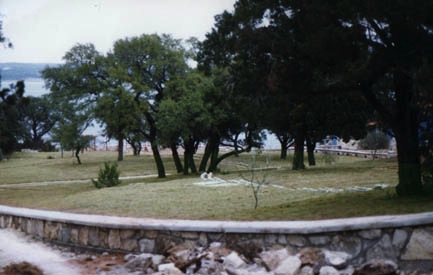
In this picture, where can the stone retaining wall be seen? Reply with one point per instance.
(406, 240)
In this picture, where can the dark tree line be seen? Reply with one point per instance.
(346, 56)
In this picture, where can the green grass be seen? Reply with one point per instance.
(177, 197)
(38, 167)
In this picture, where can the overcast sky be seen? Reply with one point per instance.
(43, 30)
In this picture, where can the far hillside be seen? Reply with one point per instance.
(22, 71)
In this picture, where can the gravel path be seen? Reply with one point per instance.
(16, 247)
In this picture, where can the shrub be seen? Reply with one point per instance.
(108, 176)
(374, 140)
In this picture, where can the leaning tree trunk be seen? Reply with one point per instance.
(214, 159)
(204, 160)
(298, 159)
(158, 159)
(176, 158)
(209, 152)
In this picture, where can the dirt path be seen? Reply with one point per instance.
(16, 247)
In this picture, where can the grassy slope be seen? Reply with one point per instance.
(177, 197)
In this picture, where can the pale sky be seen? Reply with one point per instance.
(43, 30)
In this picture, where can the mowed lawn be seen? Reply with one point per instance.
(290, 195)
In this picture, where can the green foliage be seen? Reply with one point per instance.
(38, 118)
(12, 101)
(374, 140)
(108, 177)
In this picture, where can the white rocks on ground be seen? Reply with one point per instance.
(217, 259)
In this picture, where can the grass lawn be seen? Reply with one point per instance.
(176, 196)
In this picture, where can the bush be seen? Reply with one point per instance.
(374, 140)
(108, 177)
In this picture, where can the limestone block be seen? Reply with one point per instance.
(296, 240)
(336, 258)
(64, 235)
(202, 239)
(271, 239)
(93, 236)
(234, 261)
(370, 234)
(347, 271)
(328, 270)
(114, 239)
(311, 256)
(306, 270)
(51, 230)
(382, 250)
(134, 261)
(289, 266)
(126, 234)
(282, 239)
(351, 245)
(272, 259)
(29, 227)
(147, 245)
(129, 245)
(103, 238)
(8, 221)
(157, 259)
(319, 240)
(189, 235)
(215, 237)
(151, 234)
(399, 238)
(169, 269)
(38, 226)
(420, 246)
(74, 235)
(83, 235)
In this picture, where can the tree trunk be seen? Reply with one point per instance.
(311, 146)
(298, 159)
(176, 158)
(409, 168)
(192, 163)
(212, 147)
(214, 159)
(185, 162)
(204, 160)
(284, 146)
(189, 157)
(136, 147)
(217, 160)
(120, 149)
(158, 159)
(77, 154)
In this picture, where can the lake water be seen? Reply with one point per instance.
(33, 86)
